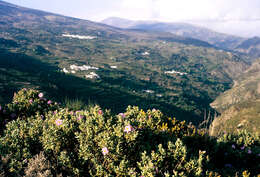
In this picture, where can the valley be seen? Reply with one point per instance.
(141, 60)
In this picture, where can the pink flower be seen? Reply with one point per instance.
(0, 108)
(105, 151)
(49, 102)
(58, 122)
(242, 148)
(249, 151)
(100, 112)
(128, 128)
(13, 115)
(122, 115)
(31, 101)
(40, 95)
(80, 117)
(233, 146)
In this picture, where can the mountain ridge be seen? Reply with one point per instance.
(183, 29)
(250, 46)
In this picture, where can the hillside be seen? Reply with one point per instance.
(182, 29)
(75, 59)
(239, 106)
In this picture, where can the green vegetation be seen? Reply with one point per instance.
(48, 140)
(34, 56)
(18, 70)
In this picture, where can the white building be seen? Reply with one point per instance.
(174, 72)
(92, 75)
(113, 67)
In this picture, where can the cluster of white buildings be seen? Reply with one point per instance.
(82, 68)
(78, 36)
(74, 68)
(175, 72)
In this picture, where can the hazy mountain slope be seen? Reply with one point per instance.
(178, 75)
(250, 46)
(183, 29)
(240, 106)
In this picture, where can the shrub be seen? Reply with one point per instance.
(38, 166)
(21, 142)
(26, 103)
(49, 140)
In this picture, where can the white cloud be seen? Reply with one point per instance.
(179, 10)
(228, 16)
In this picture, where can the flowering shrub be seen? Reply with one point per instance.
(26, 103)
(21, 141)
(93, 142)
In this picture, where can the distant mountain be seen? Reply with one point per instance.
(240, 106)
(82, 60)
(121, 22)
(250, 46)
(182, 29)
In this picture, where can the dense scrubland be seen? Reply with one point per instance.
(40, 137)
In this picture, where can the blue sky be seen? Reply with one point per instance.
(239, 17)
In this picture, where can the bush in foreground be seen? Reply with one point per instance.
(46, 140)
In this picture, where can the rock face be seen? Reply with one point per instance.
(239, 106)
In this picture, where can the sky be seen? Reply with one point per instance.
(237, 17)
